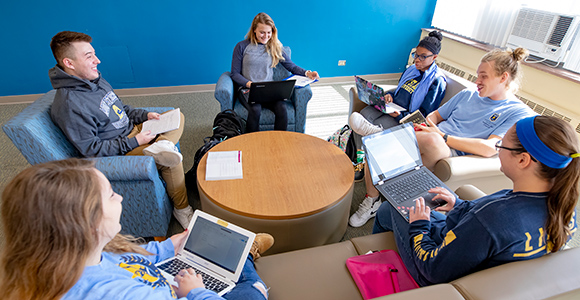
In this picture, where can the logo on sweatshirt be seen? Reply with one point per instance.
(107, 101)
(144, 271)
(123, 119)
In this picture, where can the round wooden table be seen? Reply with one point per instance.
(296, 187)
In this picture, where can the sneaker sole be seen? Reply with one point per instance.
(359, 225)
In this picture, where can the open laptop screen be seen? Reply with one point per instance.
(216, 243)
(367, 92)
(392, 152)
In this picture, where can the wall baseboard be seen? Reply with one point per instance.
(183, 89)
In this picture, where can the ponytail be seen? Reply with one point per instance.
(554, 144)
(561, 202)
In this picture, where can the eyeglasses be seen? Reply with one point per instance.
(420, 57)
(520, 150)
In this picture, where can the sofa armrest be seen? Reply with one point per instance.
(539, 278)
(469, 192)
(355, 104)
(224, 91)
(467, 167)
(300, 99)
(127, 168)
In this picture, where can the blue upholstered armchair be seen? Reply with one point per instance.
(146, 205)
(225, 93)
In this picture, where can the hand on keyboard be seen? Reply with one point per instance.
(187, 280)
(443, 196)
(420, 211)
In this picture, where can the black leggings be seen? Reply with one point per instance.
(255, 110)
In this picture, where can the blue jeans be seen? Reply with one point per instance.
(245, 288)
(388, 219)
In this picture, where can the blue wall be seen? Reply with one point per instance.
(166, 43)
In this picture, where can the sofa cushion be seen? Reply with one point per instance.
(434, 292)
(313, 273)
(571, 295)
(551, 275)
(375, 242)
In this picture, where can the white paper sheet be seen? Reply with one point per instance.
(301, 81)
(167, 122)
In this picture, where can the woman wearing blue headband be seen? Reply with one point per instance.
(540, 156)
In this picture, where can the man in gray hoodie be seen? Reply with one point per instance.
(97, 123)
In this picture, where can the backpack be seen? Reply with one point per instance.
(226, 124)
(342, 138)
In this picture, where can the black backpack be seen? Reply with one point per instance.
(227, 124)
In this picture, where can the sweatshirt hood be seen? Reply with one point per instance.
(61, 79)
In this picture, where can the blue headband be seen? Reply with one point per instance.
(526, 133)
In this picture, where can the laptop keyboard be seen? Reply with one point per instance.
(410, 186)
(211, 283)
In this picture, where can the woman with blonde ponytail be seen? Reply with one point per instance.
(540, 155)
(254, 60)
(61, 225)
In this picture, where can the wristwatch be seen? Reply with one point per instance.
(445, 136)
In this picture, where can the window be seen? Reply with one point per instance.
(491, 22)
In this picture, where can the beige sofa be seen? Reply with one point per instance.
(480, 171)
(320, 273)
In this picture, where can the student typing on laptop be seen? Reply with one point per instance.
(254, 60)
(469, 123)
(421, 87)
(61, 221)
(540, 156)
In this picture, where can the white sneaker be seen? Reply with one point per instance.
(366, 210)
(183, 216)
(362, 126)
(164, 152)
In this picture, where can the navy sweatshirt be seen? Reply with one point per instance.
(91, 115)
(480, 234)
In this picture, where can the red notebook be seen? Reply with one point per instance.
(380, 273)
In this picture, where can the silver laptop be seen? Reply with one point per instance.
(270, 91)
(214, 248)
(397, 171)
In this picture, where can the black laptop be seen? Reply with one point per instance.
(397, 171)
(270, 91)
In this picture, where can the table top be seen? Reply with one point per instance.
(286, 175)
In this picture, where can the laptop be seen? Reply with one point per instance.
(270, 91)
(397, 171)
(374, 95)
(213, 247)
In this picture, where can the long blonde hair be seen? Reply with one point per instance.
(274, 46)
(508, 61)
(559, 136)
(50, 214)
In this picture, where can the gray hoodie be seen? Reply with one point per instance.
(91, 115)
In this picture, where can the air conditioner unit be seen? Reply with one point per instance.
(545, 34)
